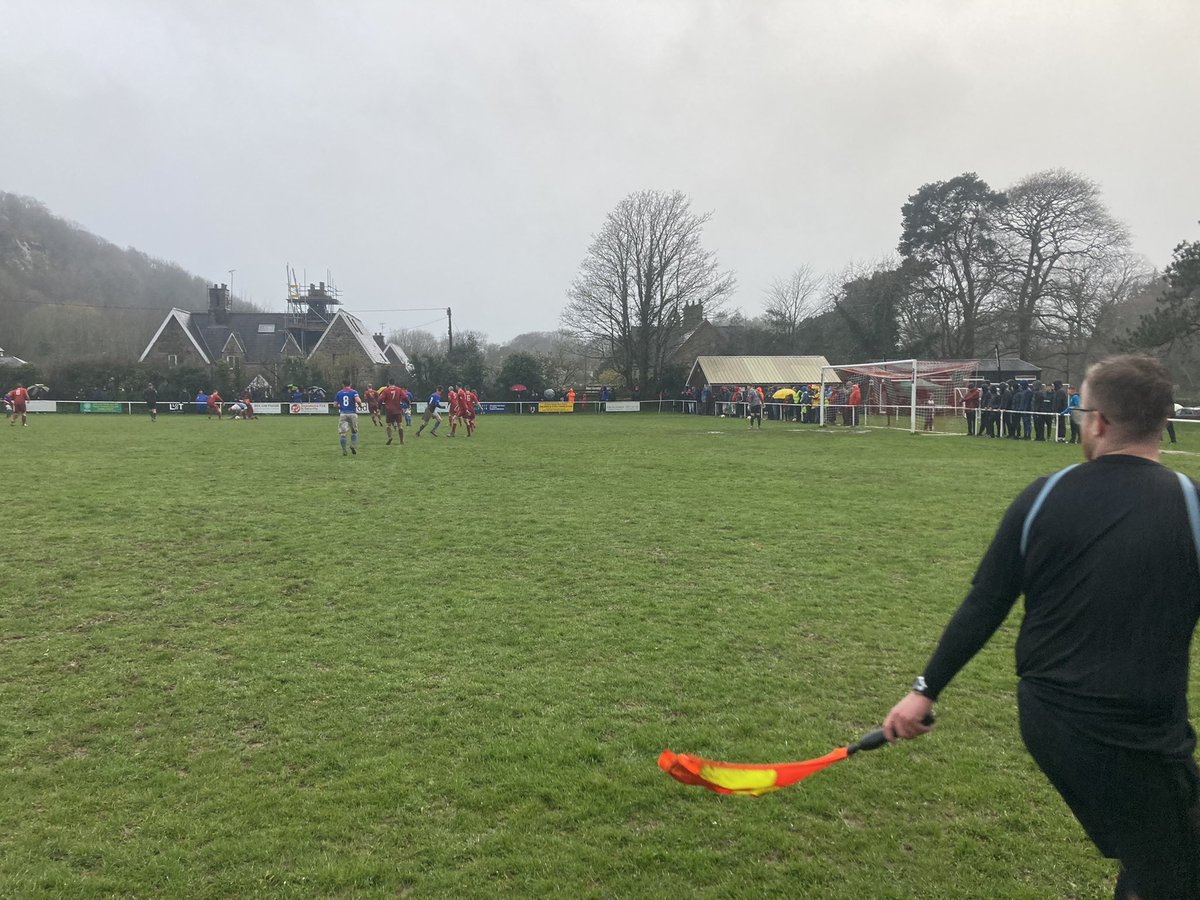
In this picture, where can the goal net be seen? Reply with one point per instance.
(914, 394)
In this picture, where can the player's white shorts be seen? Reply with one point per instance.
(348, 422)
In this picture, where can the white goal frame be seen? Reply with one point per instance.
(890, 370)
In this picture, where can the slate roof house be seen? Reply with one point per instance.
(696, 336)
(335, 343)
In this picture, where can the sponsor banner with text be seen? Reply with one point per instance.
(623, 406)
(100, 406)
(308, 409)
(42, 406)
(494, 407)
(548, 407)
(268, 409)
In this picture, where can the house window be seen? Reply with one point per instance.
(267, 328)
(172, 360)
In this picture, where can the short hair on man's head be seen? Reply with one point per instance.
(1133, 393)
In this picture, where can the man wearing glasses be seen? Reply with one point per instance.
(1107, 554)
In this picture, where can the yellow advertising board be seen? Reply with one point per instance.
(556, 407)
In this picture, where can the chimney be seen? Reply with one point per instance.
(379, 340)
(220, 304)
(693, 315)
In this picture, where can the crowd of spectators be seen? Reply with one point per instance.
(1022, 410)
(799, 403)
(1015, 410)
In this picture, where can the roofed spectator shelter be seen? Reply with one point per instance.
(784, 371)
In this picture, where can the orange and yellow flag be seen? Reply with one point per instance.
(742, 778)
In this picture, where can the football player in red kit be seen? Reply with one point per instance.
(452, 402)
(394, 402)
(371, 396)
(469, 404)
(17, 399)
(214, 404)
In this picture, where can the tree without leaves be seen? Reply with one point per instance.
(564, 367)
(1053, 227)
(948, 240)
(790, 302)
(415, 340)
(643, 267)
(426, 354)
(1082, 314)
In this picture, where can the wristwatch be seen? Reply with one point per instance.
(920, 687)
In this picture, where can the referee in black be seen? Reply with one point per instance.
(1106, 554)
(150, 395)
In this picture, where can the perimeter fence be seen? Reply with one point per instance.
(933, 419)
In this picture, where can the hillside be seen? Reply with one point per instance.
(66, 293)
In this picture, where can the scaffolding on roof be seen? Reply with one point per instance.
(310, 309)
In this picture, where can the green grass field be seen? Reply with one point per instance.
(236, 663)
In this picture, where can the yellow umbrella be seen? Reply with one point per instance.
(783, 393)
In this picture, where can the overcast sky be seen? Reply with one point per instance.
(438, 153)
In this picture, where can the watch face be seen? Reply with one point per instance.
(919, 685)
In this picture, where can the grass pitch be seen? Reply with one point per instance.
(237, 663)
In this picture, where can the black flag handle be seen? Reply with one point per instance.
(873, 740)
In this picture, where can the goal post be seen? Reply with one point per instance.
(920, 394)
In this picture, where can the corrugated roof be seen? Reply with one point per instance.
(784, 370)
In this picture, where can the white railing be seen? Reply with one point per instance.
(933, 419)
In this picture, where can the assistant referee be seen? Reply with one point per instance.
(1107, 554)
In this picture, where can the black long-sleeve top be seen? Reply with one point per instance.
(1112, 595)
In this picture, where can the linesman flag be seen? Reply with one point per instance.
(756, 779)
